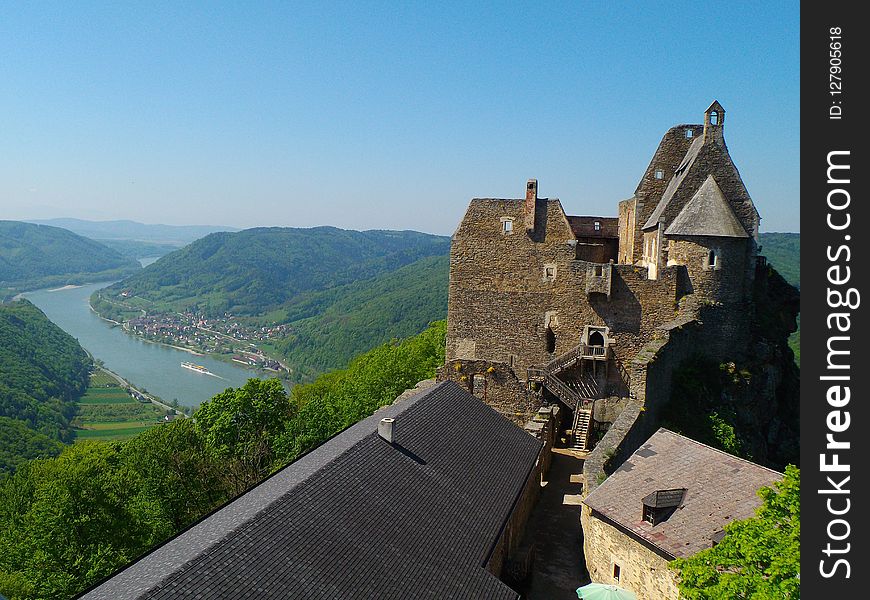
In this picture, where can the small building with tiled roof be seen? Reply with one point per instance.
(671, 499)
(424, 499)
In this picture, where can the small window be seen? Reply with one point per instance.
(689, 133)
(617, 571)
(660, 174)
(598, 270)
(550, 341)
(714, 118)
(713, 259)
(549, 272)
(649, 515)
(507, 226)
(597, 225)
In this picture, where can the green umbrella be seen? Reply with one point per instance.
(603, 591)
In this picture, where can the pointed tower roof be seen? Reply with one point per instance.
(707, 213)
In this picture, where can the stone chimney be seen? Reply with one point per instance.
(531, 203)
(385, 429)
(714, 123)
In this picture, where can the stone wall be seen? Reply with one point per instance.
(495, 384)
(506, 290)
(508, 560)
(642, 569)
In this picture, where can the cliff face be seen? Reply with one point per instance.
(747, 403)
(776, 391)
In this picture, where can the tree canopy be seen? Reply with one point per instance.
(758, 558)
(68, 522)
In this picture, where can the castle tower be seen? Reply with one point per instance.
(714, 123)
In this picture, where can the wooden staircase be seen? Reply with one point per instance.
(580, 431)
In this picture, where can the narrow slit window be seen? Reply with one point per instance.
(617, 572)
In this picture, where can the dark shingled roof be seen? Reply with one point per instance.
(720, 488)
(707, 213)
(359, 517)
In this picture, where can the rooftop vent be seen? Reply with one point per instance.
(385, 429)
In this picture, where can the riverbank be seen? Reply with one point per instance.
(113, 409)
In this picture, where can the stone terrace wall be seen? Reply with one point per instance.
(495, 384)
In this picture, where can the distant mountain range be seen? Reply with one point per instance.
(33, 256)
(342, 292)
(177, 235)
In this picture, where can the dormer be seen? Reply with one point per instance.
(661, 504)
(714, 123)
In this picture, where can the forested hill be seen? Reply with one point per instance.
(340, 292)
(33, 256)
(258, 270)
(783, 251)
(43, 371)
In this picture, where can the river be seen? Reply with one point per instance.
(153, 367)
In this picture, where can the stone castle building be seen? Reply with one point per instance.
(545, 306)
(597, 314)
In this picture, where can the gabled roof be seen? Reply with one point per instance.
(707, 213)
(720, 488)
(359, 517)
(673, 185)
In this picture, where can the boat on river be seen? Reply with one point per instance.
(197, 368)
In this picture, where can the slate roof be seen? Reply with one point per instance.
(359, 517)
(720, 488)
(707, 213)
(674, 184)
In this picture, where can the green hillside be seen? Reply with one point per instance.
(783, 251)
(337, 292)
(43, 371)
(33, 256)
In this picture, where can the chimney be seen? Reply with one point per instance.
(531, 202)
(385, 429)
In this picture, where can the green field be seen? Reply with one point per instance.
(118, 433)
(107, 411)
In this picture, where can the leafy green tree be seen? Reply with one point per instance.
(759, 557)
(239, 426)
(70, 521)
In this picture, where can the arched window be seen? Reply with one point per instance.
(714, 118)
(596, 339)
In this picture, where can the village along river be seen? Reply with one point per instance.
(153, 367)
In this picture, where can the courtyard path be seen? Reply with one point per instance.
(559, 568)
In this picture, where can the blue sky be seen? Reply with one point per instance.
(378, 115)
